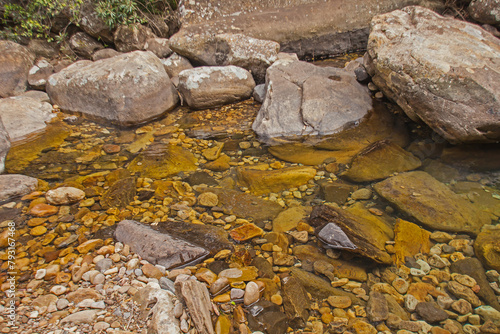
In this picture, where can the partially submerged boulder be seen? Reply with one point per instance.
(304, 99)
(128, 89)
(453, 88)
(255, 55)
(15, 63)
(210, 86)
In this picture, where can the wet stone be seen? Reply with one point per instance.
(430, 312)
(295, 301)
(246, 232)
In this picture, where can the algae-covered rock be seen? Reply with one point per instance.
(431, 203)
(357, 234)
(120, 194)
(380, 160)
(487, 247)
(160, 161)
(410, 240)
(290, 218)
(484, 198)
(263, 181)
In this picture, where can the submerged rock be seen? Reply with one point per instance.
(453, 88)
(410, 240)
(128, 89)
(157, 247)
(295, 301)
(487, 247)
(268, 317)
(380, 160)
(431, 203)
(120, 194)
(341, 229)
(263, 181)
(211, 86)
(304, 99)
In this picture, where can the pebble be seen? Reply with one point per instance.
(208, 199)
(362, 194)
(62, 303)
(251, 293)
(58, 290)
(40, 273)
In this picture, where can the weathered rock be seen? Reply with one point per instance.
(430, 312)
(64, 195)
(472, 267)
(246, 232)
(263, 181)
(127, 89)
(195, 296)
(159, 46)
(295, 301)
(304, 99)
(120, 194)
(406, 66)
(410, 240)
(132, 37)
(341, 229)
(254, 55)
(39, 74)
(376, 308)
(84, 45)
(487, 248)
(31, 120)
(337, 267)
(159, 161)
(290, 218)
(461, 291)
(474, 157)
(431, 203)
(336, 191)
(259, 93)
(105, 53)
(175, 64)
(43, 48)
(481, 196)
(380, 160)
(489, 313)
(210, 86)
(15, 63)
(156, 247)
(485, 11)
(92, 24)
(268, 317)
(86, 317)
(163, 320)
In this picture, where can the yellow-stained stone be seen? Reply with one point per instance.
(263, 182)
(66, 251)
(222, 254)
(89, 245)
(409, 240)
(21, 263)
(48, 238)
(62, 277)
(224, 298)
(43, 210)
(214, 152)
(289, 219)
(246, 232)
(277, 299)
(105, 250)
(223, 324)
(206, 275)
(38, 230)
(36, 221)
(68, 258)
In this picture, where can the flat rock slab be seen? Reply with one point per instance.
(432, 203)
(15, 185)
(195, 296)
(454, 88)
(156, 247)
(128, 89)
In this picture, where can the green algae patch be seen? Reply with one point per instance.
(159, 161)
(21, 154)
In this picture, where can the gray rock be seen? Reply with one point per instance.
(132, 37)
(42, 48)
(163, 320)
(23, 116)
(15, 63)
(127, 89)
(210, 86)
(4, 146)
(15, 185)
(37, 95)
(103, 265)
(485, 11)
(175, 64)
(158, 248)
(92, 24)
(453, 89)
(255, 55)
(159, 46)
(84, 45)
(259, 93)
(304, 99)
(167, 284)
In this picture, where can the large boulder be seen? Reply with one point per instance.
(485, 11)
(24, 115)
(15, 63)
(16, 185)
(210, 86)
(127, 89)
(310, 28)
(304, 99)
(255, 55)
(39, 74)
(4, 146)
(432, 203)
(439, 70)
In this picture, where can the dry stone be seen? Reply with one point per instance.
(84, 45)
(485, 11)
(15, 63)
(132, 37)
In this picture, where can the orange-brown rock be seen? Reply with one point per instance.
(246, 232)
(410, 239)
(43, 210)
